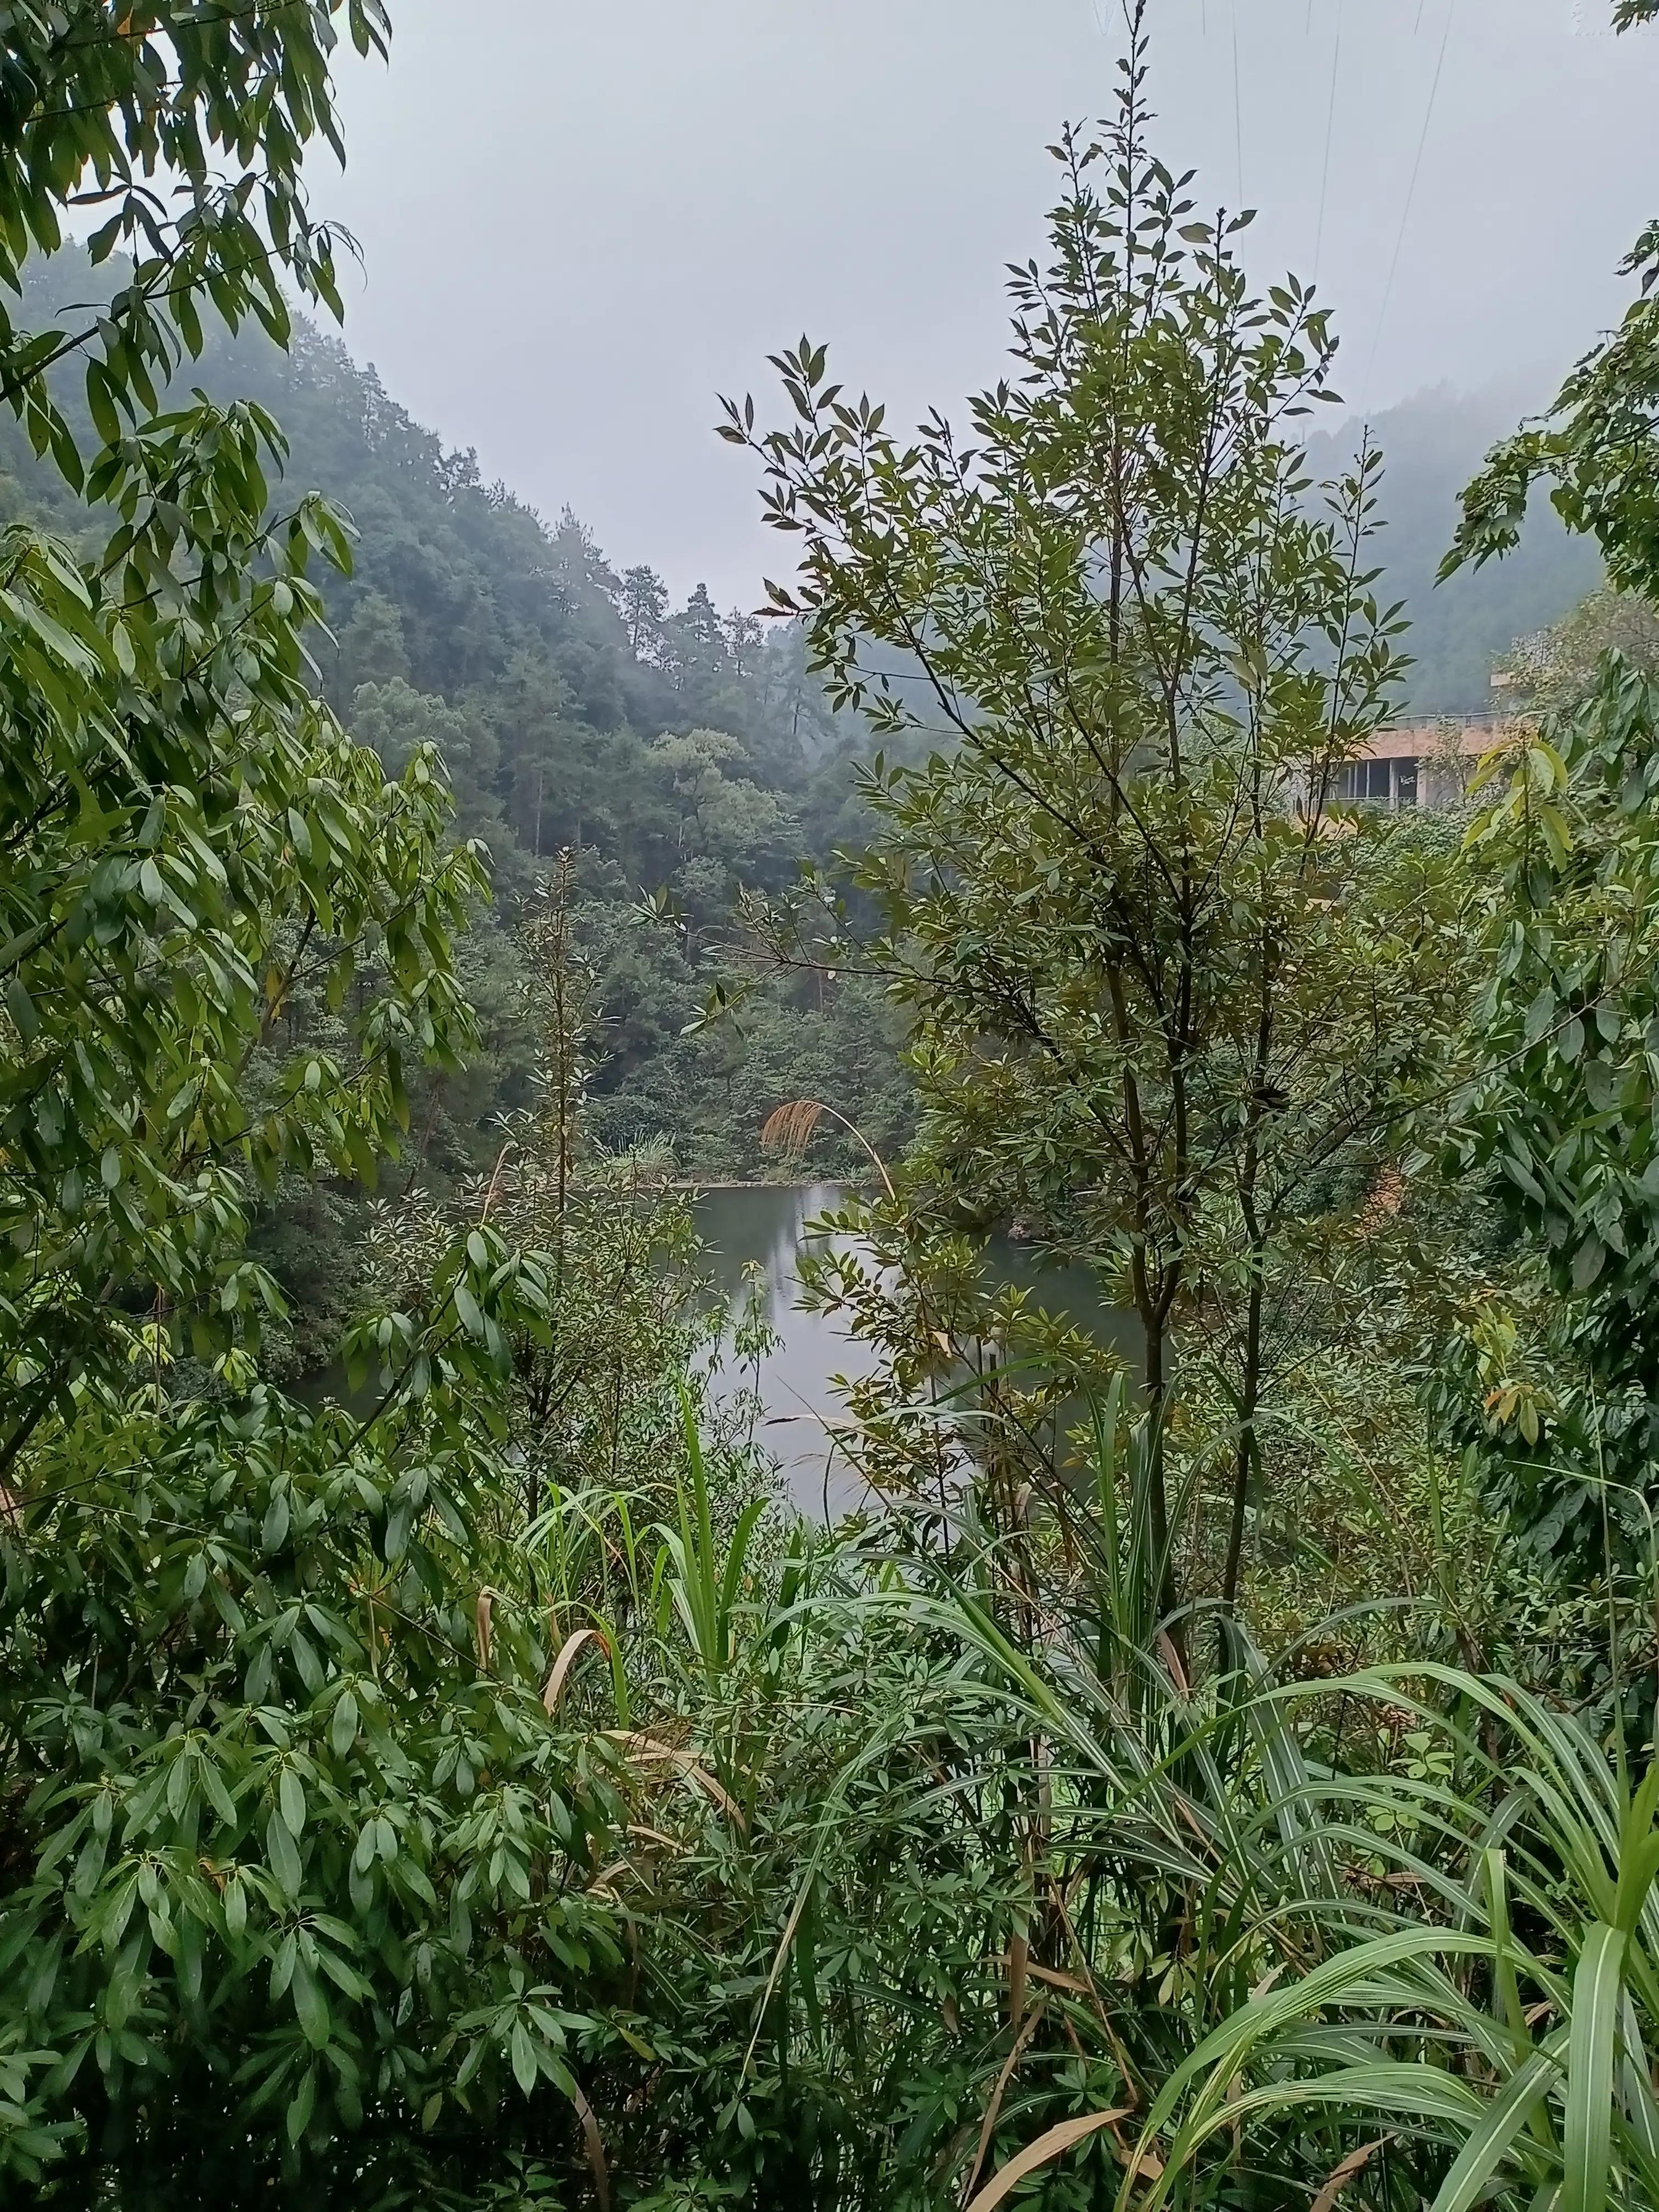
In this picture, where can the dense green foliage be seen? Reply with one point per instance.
(1222, 1778)
(682, 755)
(1129, 937)
(683, 758)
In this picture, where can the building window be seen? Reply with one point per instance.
(1381, 782)
(1367, 779)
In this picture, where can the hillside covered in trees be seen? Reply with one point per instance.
(684, 756)
(1431, 444)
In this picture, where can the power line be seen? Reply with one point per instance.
(1410, 189)
(1238, 112)
(1330, 127)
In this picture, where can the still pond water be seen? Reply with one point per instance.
(767, 1228)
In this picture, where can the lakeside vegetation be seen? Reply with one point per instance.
(1222, 1779)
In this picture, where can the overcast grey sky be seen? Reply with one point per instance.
(581, 219)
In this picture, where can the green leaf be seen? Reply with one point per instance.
(273, 1532)
(101, 403)
(291, 1800)
(310, 2004)
(298, 2117)
(467, 1307)
(343, 1728)
(283, 1855)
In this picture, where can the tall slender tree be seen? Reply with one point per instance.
(1160, 989)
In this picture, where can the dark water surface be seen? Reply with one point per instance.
(767, 1228)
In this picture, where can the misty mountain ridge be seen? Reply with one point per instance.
(1432, 443)
(477, 575)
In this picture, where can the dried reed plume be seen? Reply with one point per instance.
(789, 1128)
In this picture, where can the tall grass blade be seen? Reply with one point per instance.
(1597, 1988)
(1491, 2145)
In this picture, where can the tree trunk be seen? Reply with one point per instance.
(1247, 1455)
(1157, 1390)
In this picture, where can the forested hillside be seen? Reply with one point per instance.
(683, 756)
(1431, 444)
(681, 753)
